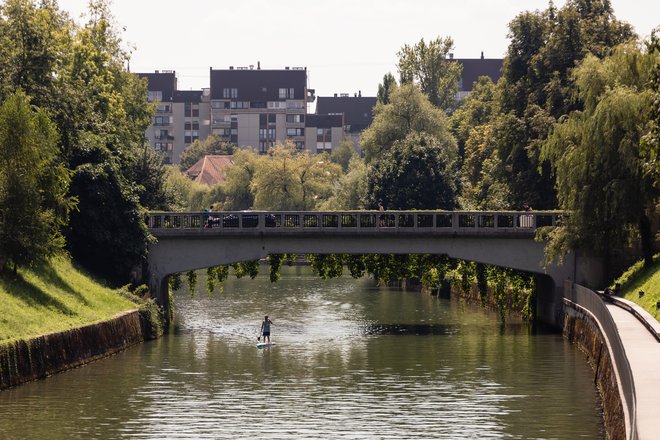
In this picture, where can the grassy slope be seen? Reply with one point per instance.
(51, 298)
(647, 280)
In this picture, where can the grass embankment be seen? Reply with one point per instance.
(647, 280)
(51, 298)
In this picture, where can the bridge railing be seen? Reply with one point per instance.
(449, 221)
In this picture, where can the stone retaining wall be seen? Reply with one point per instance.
(24, 361)
(580, 328)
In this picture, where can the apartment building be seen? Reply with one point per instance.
(256, 108)
(324, 133)
(356, 111)
(181, 116)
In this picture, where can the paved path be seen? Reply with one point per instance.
(643, 353)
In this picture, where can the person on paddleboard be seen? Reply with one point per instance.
(265, 329)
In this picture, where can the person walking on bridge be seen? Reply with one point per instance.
(265, 329)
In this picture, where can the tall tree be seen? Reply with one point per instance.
(350, 191)
(409, 111)
(288, 179)
(238, 195)
(428, 66)
(537, 88)
(597, 158)
(418, 172)
(104, 147)
(386, 88)
(478, 108)
(33, 185)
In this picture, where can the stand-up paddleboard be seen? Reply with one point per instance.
(265, 344)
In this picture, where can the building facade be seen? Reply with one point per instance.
(251, 108)
(181, 117)
(255, 108)
(356, 111)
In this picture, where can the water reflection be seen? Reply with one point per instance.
(351, 361)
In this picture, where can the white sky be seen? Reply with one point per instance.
(346, 45)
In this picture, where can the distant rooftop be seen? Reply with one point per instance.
(211, 169)
(163, 81)
(473, 68)
(357, 109)
(259, 85)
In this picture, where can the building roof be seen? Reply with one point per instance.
(473, 68)
(192, 96)
(164, 82)
(211, 169)
(257, 85)
(324, 121)
(357, 110)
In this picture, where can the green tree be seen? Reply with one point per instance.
(597, 156)
(351, 190)
(482, 172)
(103, 147)
(651, 141)
(343, 154)
(35, 42)
(418, 172)
(198, 149)
(408, 111)
(237, 185)
(386, 88)
(288, 179)
(78, 75)
(428, 66)
(478, 108)
(33, 185)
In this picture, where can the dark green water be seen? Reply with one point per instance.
(351, 361)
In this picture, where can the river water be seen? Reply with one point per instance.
(351, 361)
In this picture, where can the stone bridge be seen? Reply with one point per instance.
(196, 240)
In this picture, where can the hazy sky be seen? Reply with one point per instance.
(347, 46)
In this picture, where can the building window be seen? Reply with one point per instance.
(154, 95)
(239, 105)
(295, 119)
(295, 132)
(282, 94)
(323, 134)
(230, 92)
(291, 93)
(219, 104)
(300, 145)
(295, 104)
(277, 104)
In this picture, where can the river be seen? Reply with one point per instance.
(351, 361)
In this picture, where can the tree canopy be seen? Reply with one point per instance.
(427, 65)
(408, 111)
(34, 205)
(418, 172)
(597, 156)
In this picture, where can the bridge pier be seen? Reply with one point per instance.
(160, 288)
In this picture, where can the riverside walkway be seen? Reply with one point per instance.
(643, 352)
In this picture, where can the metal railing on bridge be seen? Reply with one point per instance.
(440, 221)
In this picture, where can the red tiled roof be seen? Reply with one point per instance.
(210, 170)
